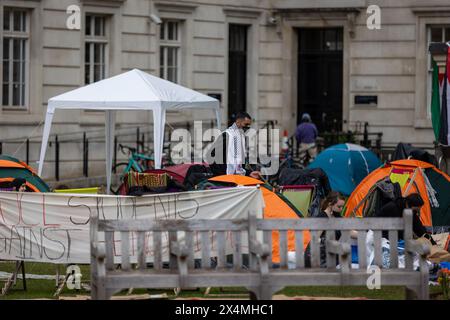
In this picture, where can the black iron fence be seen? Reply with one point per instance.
(87, 141)
(360, 135)
(142, 140)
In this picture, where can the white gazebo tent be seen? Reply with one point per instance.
(132, 90)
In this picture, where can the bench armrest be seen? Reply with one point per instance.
(178, 249)
(262, 253)
(260, 249)
(182, 252)
(414, 246)
(336, 247)
(98, 251)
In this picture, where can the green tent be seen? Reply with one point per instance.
(12, 168)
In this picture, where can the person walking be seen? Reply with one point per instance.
(306, 135)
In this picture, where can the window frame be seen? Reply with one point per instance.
(165, 44)
(11, 35)
(93, 39)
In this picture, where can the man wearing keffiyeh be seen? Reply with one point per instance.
(233, 149)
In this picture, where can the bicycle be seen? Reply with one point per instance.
(137, 162)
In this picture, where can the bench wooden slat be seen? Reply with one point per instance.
(267, 238)
(189, 240)
(237, 251)
(345, 238)
(251, 235)
(408, 234)
(283, 248)
(393, 241)
(377, 248)
(315, 248)
(109, 246)
(157, 250)
(141, 250)
(362, 255)
(331, 258)
(206, 249)
(173, 225)
(173, 237)
(221, 258)
(331, 224)
(299, 252)
(125, 250)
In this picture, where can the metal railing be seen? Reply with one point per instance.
(141, 138)
(369, 140)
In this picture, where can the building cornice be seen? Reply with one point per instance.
(439, 10)
(319, 5)
(175, 7)
(104, 3)
(241, 13)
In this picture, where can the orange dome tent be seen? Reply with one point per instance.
(12, 168)
(414, 176)
(276, 207)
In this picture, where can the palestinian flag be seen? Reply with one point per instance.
(436, 93)
(444, 135)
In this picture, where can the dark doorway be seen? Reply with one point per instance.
(320, 77)
(237, 69)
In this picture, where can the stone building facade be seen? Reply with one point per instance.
(274, 58)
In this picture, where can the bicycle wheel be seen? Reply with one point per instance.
(120, 167)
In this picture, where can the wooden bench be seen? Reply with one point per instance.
(260, 276)
(274, 279)
(182, 271)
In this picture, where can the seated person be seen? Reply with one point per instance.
(394, 209)
(19, 185)
(331, 208)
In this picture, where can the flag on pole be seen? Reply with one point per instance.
(436, 92)
(444, 135)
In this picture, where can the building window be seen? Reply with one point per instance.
(435, 34)
(96, 48)
(169, 54)
(15, 57)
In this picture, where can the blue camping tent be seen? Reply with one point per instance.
(346, 165)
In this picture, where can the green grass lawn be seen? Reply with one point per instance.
(45, 289)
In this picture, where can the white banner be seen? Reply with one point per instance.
(54, 227)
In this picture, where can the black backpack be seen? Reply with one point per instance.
(196, 174)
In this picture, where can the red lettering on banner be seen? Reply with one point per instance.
(19, 205)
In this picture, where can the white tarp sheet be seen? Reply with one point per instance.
(49, 227)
